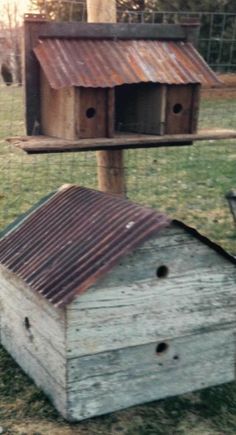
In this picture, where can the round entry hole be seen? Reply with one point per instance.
(161, 348)
(177, 108)
(162, 271)
(90, 112)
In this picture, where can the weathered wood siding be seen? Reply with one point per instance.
(114, 380)
(131, 306)
(92, 110)
(58, 111)
(114, 328)
(37, 344)
(182, 103)
(161, 323)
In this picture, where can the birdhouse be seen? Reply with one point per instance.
(95, 88)
(107, 304)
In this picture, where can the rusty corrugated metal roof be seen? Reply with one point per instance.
(109, 63)
(74, 238)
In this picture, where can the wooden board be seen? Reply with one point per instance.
(179, 109)
(174, 32)
(110, 381)
(32, 76)
(58, 111)
(116, 329)
(130, 306)
(38, 346)
(45, 144)
(92, 119)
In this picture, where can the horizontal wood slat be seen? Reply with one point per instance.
(46, 144)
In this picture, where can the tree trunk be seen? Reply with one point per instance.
(110, 165)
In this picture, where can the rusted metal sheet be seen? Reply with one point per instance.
(109, 63)
(73, 239)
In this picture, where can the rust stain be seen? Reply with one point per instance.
(109, 63)
(73, 239)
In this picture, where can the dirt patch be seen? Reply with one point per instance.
(226, 91)
(229, 80)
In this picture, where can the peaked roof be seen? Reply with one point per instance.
(109, 63)
(73, 238)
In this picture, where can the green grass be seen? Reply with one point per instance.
(188, 183)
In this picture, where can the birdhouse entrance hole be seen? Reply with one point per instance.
(162, 271)
(91, 112)
(161, 348)
(177, 108)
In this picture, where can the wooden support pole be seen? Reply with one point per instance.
(110, 164)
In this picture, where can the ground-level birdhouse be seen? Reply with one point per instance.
(95, 88)
(107, 304)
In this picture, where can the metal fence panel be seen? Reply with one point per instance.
(189, 183)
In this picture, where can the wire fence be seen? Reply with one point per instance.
(188, 182)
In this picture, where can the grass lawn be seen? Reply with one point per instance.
(188, 183)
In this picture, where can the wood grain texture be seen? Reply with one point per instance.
(110, 381)
(32, 76)
(131, 306)
(110, 164)
(110, 112)
(101, 11)
(46, 144)
(101, 354)
(92, 101)
(196, 97)
(58, 111)
(38, 346)
(179, 109)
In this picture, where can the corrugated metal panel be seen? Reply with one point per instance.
(74, 238)
(109, 63)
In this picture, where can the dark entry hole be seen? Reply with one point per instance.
(91, 112)
(162, 271)
(161, 347)
(177, 108)
(27, 323)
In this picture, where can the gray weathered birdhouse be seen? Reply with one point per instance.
(107, 304)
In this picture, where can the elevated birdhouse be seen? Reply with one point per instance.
(112, 86)
(107, 304)
(95, 88)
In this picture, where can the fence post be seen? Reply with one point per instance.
(110, 164)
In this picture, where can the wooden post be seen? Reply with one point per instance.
(110, 164)
(191, 27)
(32, 26)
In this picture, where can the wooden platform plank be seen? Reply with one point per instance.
(46, 144)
